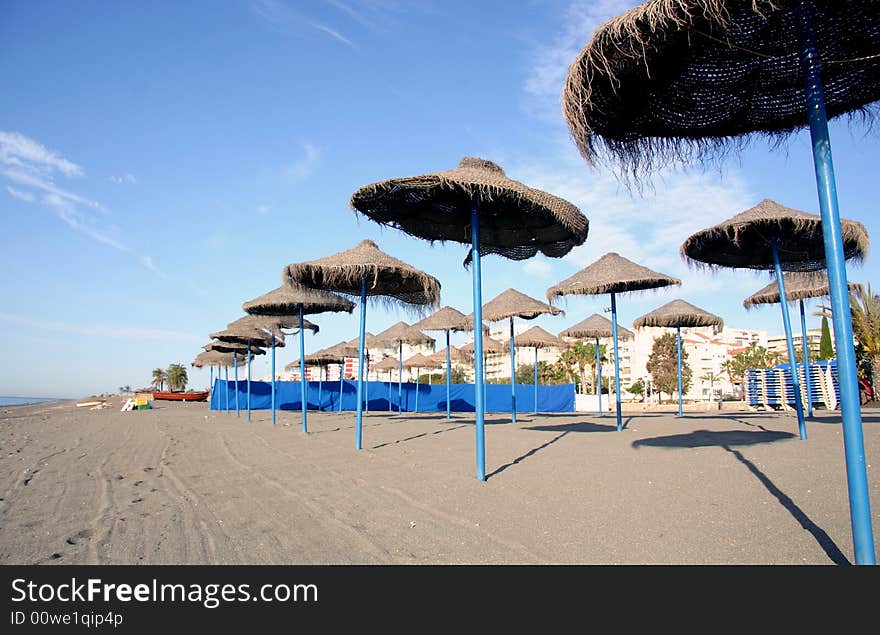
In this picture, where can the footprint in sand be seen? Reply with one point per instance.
(148, 469)
(137, 500)
(136, 483)
(83, 534)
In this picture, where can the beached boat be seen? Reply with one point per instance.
(181, 396)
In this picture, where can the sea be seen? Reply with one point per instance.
(21, 401)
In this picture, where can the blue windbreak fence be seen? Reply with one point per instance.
(431, 398)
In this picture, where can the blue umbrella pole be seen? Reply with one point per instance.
(226, 371)
(389, 390)
(792, 360)
(341, 376)
(320, 385)
(512, 375)
(678, 342)
(417, 390)
(273, 379)
(304, 405)
(360, 378)
(478, 343)
(616, 360)
(807, 380)
(448, 378)
(599, 376)
(536, 379)
(237, 408)
(367, 384)
(853, 442)
(249, 381)
(400, 378)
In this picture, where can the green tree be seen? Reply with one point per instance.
(638, 389)
(753, 357)
(525, 373)
(826, 350)
(176, 377)
(575, 360)
(663, 365)
(159, 378)
(865, 308)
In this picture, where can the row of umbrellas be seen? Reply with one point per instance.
(666, 82)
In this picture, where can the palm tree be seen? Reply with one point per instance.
(176, 376)
(159, 378)
(865, 307)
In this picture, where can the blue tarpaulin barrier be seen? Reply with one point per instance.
(431, 398)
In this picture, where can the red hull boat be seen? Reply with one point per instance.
(181, 396)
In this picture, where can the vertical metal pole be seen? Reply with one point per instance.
(536, 379)
(226, 370)
(417, 390)
(616, 361)
(237, 409)
(853, 441)
(320, 384)
(807, 380)
(792, 360)
(273, 379)
(341, 377)
(389, 390)
(478, 343)
(599, 377)
(367, 382)
(400, 377)
(249, 381)
(512, 375)
(360, 382)
(448, 378)
(302, 371)
(678, 340)
(212, 380)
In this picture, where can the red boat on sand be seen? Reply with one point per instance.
(181, 396)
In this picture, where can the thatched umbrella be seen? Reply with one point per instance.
(536, 338)
(369, 341)
(214, 358)
(799, 285)
(506, 306)
(396, 336)
(672, 80)
(337, 354)
(388, 363)
(365, 271)
(611, 274)
(478, 205)
(446, 319)
(286, 301)
(773, 237)
(236, 350)
(250, 335)
(419, 361)
(594, 327)
(676, 314)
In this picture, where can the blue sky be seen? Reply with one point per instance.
(161, 162)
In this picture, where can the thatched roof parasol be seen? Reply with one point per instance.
(244, 335)
(595, 326)
(672, 80)
(678, 313)
(272, 324)
(420, 361)
(402, 332)
(445, 319)
(516, 221)
(340, 351)
(744, 241)
(286, 300)
(489, 346)
(799, 285)
(512, 303)
(386, 276)
(469, 323)
(456, 355)
(370, 341)
(612, 273)
(232, 347)
(387, 363)
(214, 358)
(536, 337)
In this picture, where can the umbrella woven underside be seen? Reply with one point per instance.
(420, 361)
(387, 363)
(744, 241)
(456, 355)
(611, 273)
(444, 319)
(593, 327)
(386, 276)
(232, 347)
(259, 323)
(213, 358)
(678, 313)
(536, 337)
(243, 336)
(287, 299)
(673, 80)
(516, 221)
(799, 285)
(512, 303)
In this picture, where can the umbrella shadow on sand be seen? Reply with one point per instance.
(726, 439)
(418, 436)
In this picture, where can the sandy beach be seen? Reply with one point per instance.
(181, 484)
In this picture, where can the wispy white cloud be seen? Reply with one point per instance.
(37, 181)
(127, 178)
(538, 268)
(128, 333)
(287, 19)
(303, 167)
(20, 195)
(147, 261)
(334, 34)
(79, 222)
(19, 151)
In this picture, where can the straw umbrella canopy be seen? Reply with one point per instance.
(285, 302)
(799, 285)
(773, 237)
(478, 205)
(674, 80)
(215, 358)
(232, 347)
(677, 314)
(366, 271)
(506, 306)
(536, 338)
(446, 319)
(395, 336)
(490, 346)
(419, 361)
(611, 274)
(250, 336)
